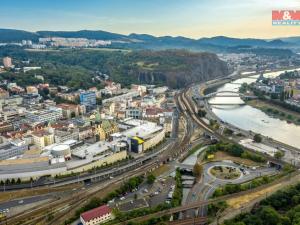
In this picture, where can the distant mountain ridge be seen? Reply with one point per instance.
(146, 41)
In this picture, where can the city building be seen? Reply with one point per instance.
(28, 68)
(142, 135)
(88, 99)
(46, 115)
(134, 112)
(85, 132)
(42, 138)
(3, 93)
(12, 100)
(7, 62)
(105, 128)
(31, 99)
(64, 134)
(71, 110)
(12, 149)
(32, 90)
(97, 215)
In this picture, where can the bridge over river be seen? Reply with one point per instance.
(228, 94)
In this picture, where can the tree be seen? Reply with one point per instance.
(279, 154)
(201, 113)
(269, 215)
(257, 138)
(73, 114)
(151, 178)
(197, 170)
(282, 96)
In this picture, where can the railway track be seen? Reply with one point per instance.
(58, 207)
(190, 221)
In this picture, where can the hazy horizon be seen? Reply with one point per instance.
(193, 19)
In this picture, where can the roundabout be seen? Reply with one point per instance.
(225, 172)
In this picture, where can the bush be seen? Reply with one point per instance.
(257, 138)
(150, 178)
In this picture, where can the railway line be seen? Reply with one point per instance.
(190, 221)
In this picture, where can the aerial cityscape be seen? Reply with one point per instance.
(166, 112)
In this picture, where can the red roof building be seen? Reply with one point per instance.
(96, 216)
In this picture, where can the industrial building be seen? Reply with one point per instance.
(142, 135)
(12, 149)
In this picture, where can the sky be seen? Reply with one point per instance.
(189, 18)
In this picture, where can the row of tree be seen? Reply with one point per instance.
(281, 208)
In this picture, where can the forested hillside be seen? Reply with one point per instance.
(75, 68)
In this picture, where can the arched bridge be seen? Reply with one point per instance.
(228, 94)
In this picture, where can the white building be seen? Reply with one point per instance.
(95, 216)
(41, 116)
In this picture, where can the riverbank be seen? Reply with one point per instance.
(276, 111)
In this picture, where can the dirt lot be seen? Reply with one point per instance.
(160, 170)
(239, 201)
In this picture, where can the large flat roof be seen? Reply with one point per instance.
(143, 131)
(91, 150)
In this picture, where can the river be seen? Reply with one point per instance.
(249, 118)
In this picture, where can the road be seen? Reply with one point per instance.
(23, 201)
(209, 183)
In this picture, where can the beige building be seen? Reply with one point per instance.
(42, 138)
(32, 90)
(7, 62)
(3, 93)
(106, 128)
(85, 132)
(71, 110)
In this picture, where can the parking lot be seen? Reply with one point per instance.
(159, 191)
(147, 195)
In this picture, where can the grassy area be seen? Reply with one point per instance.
(223, 172)
(234, 150)
(276, 111)
(220, 155)
(149, 66)
(235, 188)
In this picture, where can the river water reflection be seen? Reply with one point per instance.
(250, 118)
